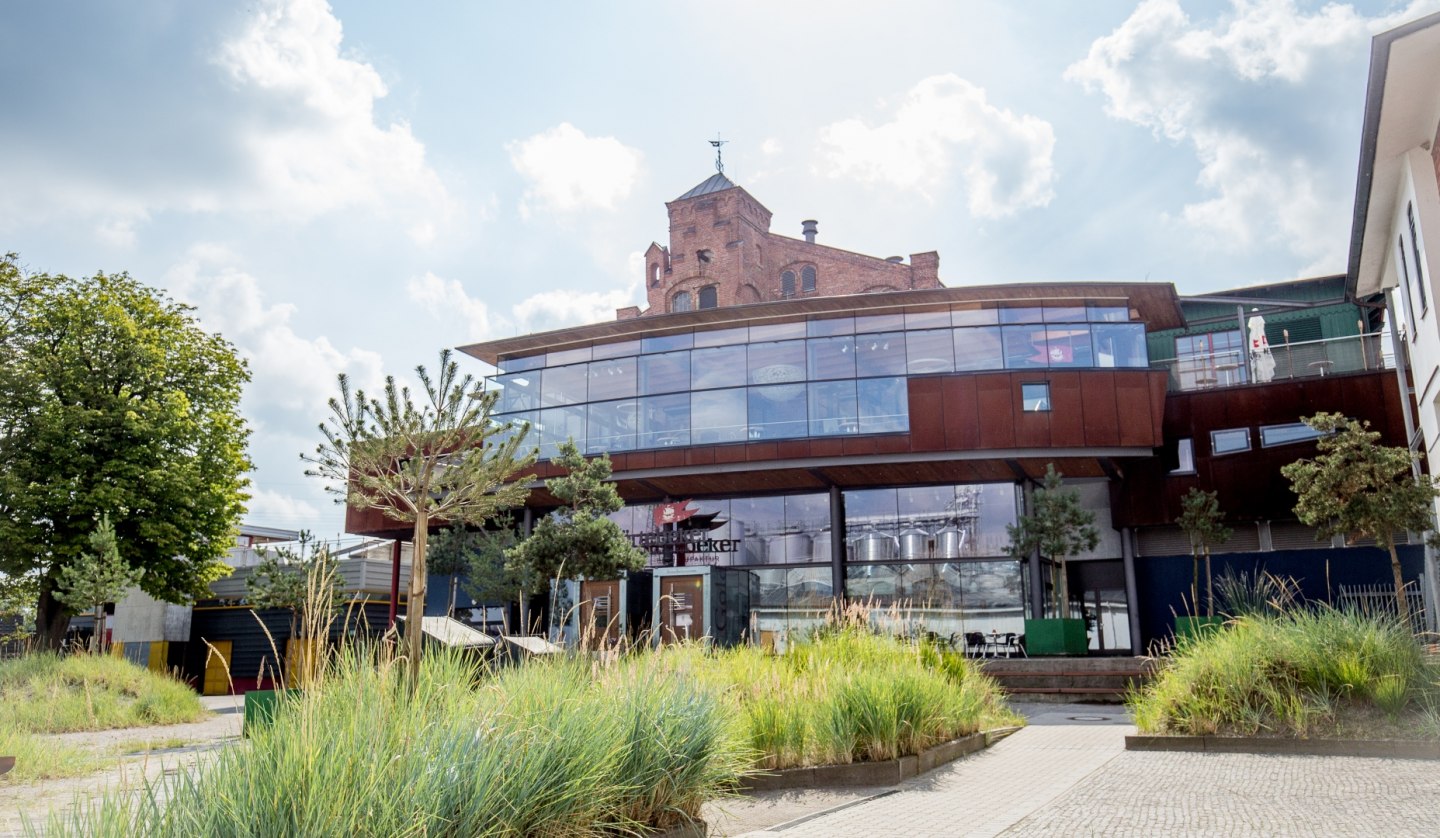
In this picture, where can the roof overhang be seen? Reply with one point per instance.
(1155, 303)
(1401, 110)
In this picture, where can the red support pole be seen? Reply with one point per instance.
(394, 580)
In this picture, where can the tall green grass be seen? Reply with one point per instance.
(553, 748)
(1302, 672)
(44, 693)
(37, 759)
(848, 695)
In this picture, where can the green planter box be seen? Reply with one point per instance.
(260, 708)
(1055, 636)
(1189, 628)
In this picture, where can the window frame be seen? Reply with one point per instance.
(1043, 403)
(1311, 436)
(1215, 448)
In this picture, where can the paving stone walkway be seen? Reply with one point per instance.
(1068, 774)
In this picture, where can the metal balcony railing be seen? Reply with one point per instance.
(1305, 359)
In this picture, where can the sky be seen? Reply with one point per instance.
(352, 187)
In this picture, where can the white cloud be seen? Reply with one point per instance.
(447, 301)
(278, 509)
(289, 372)
(557, 309)
(329, 153)
(1254, 95)
(946, 123)
(771, 146)
(568, 171)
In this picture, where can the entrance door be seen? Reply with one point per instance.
(217, 668)
(682, 611)
(600, 614)
(1099, 589)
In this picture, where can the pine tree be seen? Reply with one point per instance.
(97, 577)
(1057, 528)
(1201, 519)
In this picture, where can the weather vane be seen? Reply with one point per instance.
(717, 142)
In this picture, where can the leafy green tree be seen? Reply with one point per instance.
(577, 539)
(1203, 521)
(97, 577)
(477, 557)
(17, 605)
(304, 580)
(1358, 488)
(445, 461)
(114, 400)
(1057, 528)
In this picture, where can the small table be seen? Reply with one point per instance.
(1228, 370)
(1322, 366)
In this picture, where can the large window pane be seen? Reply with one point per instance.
(1022, 314)
(615, 350)
(565, 385)
(777, 412)
(808, 517)
(978, 349)
(930, 351)
(778, 362)
(917, 320)
(834, 408)
(1120, 345)
(526, 362)
(867, 512)
(1064, 314)
(610, 427)
(1069, 346)
(721, 366)
(1108, 314)
(880, 354)
(723, 337)
(718, 416)
(667, 343)
(520, 391)
(988, 509)
(559, 424)
(831, 358)
(777, 331)
(664, 421)
(612, 379)
(879, 322)
(667, 373)
(992, 596)
(1024, 347)
(884, 405)
(760, 520)
(514, 423)
(830, 326)
(974, 314)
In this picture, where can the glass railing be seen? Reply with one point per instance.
(1305, 359)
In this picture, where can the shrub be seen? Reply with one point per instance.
(1303, 672)
(44, 693)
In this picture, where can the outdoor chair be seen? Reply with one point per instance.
(975, 640)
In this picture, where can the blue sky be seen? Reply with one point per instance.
(351, 187)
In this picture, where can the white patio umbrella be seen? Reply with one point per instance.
(1261, 361)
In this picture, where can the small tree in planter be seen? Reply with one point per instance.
(1358, 488)
(1203, 522)
(97, 577)
(1057, 528)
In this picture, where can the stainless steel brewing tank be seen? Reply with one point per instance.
(872, 546)
(820, 547)
(790, 547)
(949, 542)
(914, 543)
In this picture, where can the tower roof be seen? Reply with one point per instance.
(715, 183)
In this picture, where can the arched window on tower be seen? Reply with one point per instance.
(787, 284)
(654, 276)
(680, 302)
(708, 297)
(807, 278)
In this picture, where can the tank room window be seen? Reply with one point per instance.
(807, 278)
(708, 298)
(1035, 397)
(680, 302)
(787, 284)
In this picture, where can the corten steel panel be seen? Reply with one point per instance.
(792, 449)
(927, 414)
(1249, 483)
(1032, 428)
(1159, 387)
(761, 451)
(1099, 409)
(729, 454)
(962, 412)
(892, 444)
(1132, 397)
(1067, 410)
(828, 447)
(704, 456)
(996, 402)
(860, 445)
(637, 460)
(669, 457)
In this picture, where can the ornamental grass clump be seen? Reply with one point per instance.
(1320, 672)
(551, 748)
(45, 693)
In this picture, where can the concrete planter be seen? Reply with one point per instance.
(1056, 636)
(885, 773)
(1384, 748)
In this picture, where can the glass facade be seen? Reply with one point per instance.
(928, 558)
(828, 376)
